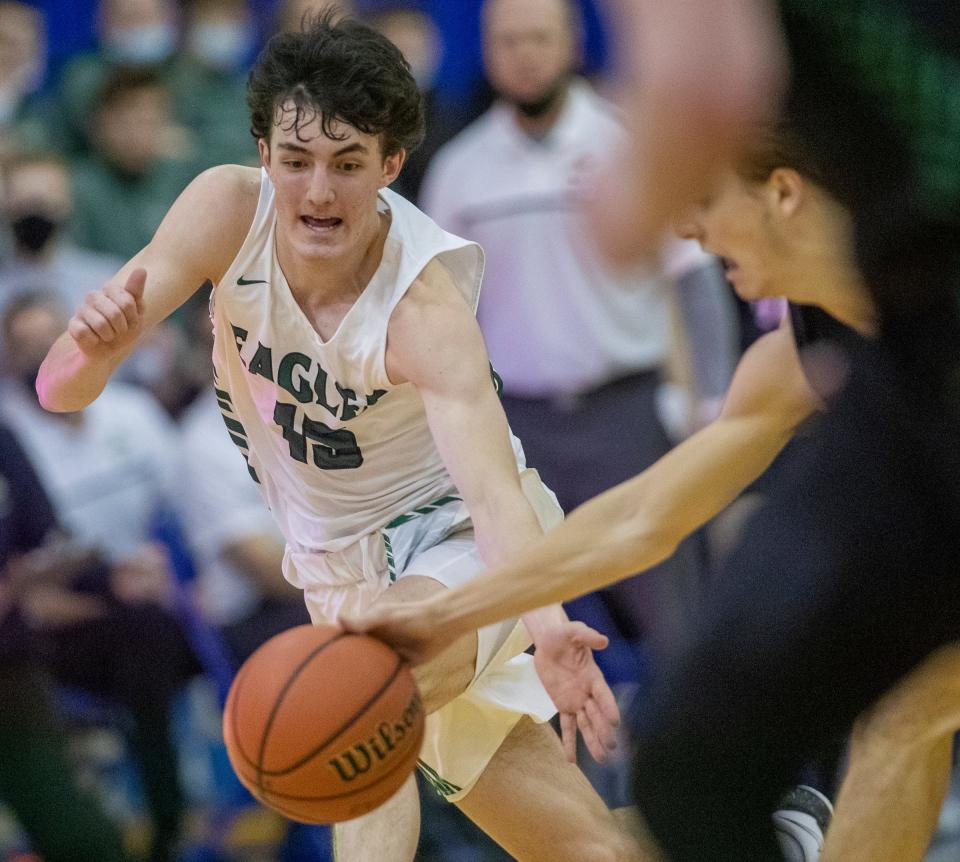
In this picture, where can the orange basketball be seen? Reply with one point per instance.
(323, 726)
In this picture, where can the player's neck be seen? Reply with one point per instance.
(848, 300)
(316, 282)
(825, 265)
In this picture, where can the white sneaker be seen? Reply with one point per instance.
(801, 822)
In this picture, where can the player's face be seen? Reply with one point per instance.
(739, 224)
(326, 189)
(528, 47)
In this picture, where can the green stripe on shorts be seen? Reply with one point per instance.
(442, 786)
(409, 535)
(391, 564)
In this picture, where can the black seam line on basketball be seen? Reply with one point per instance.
(279, 700)
(273, 794)
(340, 730)
(380, 777)
(249, 761)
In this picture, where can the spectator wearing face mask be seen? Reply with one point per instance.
(209, 82)
(36, 214)
(140, 34)
(132, 175)
(37, 210)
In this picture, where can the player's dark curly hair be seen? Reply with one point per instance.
(343, 71)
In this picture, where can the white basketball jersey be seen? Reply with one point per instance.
(338, 450)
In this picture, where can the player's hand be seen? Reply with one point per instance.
(409, 628)
(564, 662)
(111, 317)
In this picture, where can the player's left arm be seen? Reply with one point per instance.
(434, 343)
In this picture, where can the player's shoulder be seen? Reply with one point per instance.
(427, 308)
(206, 226)
(775, 350)
(431, 315)
(233, 190)
(770, 378)
(433, 288)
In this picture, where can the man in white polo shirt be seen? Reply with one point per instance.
(579, 347)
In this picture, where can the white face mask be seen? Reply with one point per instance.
(142, 46)
(221, 46)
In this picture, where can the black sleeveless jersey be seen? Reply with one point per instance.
(812, 324)
(875, 99)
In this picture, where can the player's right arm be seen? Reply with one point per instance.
(196, 242)
(635, 525)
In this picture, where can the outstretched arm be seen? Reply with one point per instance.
(638, 523)
(196, 242)
(435, 343)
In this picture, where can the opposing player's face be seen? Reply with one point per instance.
(326, 189)
(739, 224)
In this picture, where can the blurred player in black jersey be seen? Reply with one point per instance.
(867, 529)
(845, 579)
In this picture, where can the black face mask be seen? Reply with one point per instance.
(539, 107)
(33, 231)
(547, 101)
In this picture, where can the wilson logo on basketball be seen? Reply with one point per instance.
(359, 758)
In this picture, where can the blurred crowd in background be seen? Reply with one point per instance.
(139, 565)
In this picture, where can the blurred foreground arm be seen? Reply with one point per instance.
(634, 525)
(695, 75)
(434, 342)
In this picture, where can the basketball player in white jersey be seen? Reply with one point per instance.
(351, 374)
